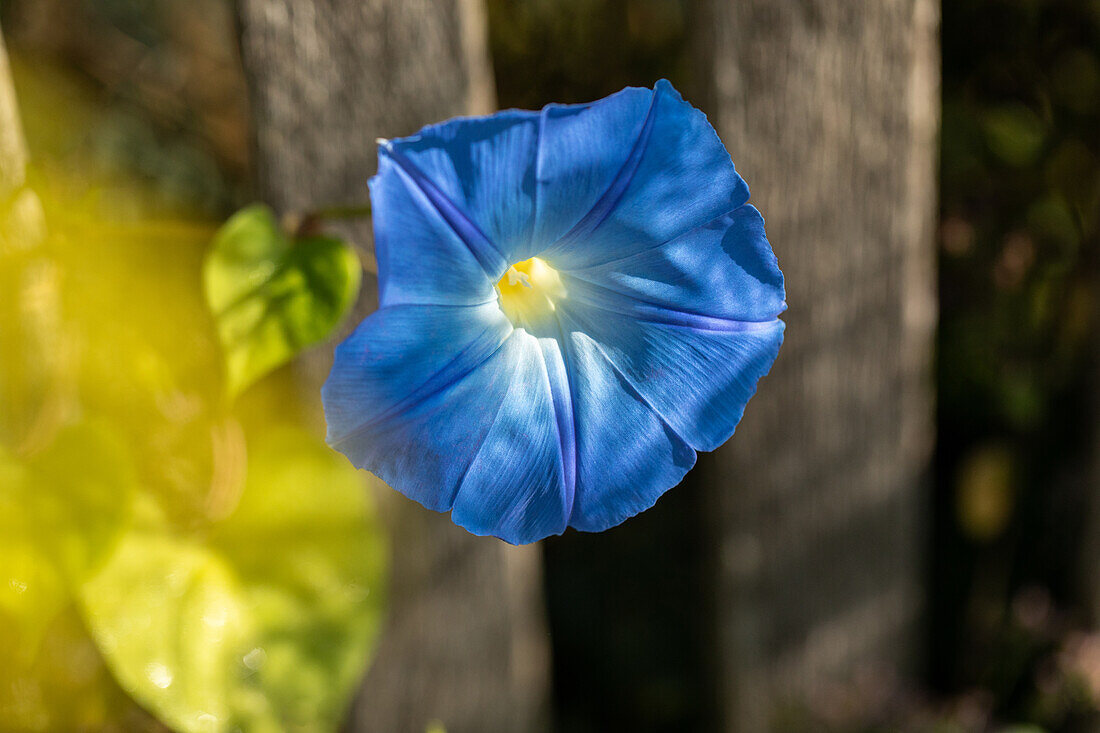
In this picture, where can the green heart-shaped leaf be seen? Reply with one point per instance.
(60, 514)
(264, 622)
(273, 296)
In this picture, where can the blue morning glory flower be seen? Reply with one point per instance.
(572, 303)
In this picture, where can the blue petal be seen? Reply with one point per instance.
(485, 167)
(676, 177)
(519, 485)
(627, 456)
(697, 372)
(582, 150)
(725, 269)
(454, 408)
(424, 450)
(578, 183)
(421, 259)
(398, 356)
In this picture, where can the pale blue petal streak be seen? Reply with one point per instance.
(627, 456)
(454, 408)
(518, 487)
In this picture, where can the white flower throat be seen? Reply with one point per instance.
(529, 293)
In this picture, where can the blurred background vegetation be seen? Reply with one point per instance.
(1017, 359)
(137, 125)
(170, 556)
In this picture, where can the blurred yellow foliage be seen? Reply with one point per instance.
(161, 550)
(985, 494)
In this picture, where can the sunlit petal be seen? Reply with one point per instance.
(480, 435)
(421, 258)
(725, 269)
(697, 372)
(485, 166)
(519, 485)
(627, 456)
(677, 177)
(398, 357)
(583, 149)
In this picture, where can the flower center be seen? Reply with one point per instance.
(529, 292)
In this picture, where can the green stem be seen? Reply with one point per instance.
(334, 213)
(310, 223)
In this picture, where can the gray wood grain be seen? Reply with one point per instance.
(22, 222)
(465, 644)
(13, 149)
(830, 111)
(31, 399)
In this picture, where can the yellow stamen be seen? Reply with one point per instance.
(529, 292)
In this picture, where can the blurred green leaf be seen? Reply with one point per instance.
(82, 491)
(167, 614)
(1051, 218)
(1076, 80)
(264, 623)
(32, 590)
(65, 686)
(273, 296)
(1015, 134)
(60, 514)
(985, 492)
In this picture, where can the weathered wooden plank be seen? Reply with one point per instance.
(830, 110)
(465, 643)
